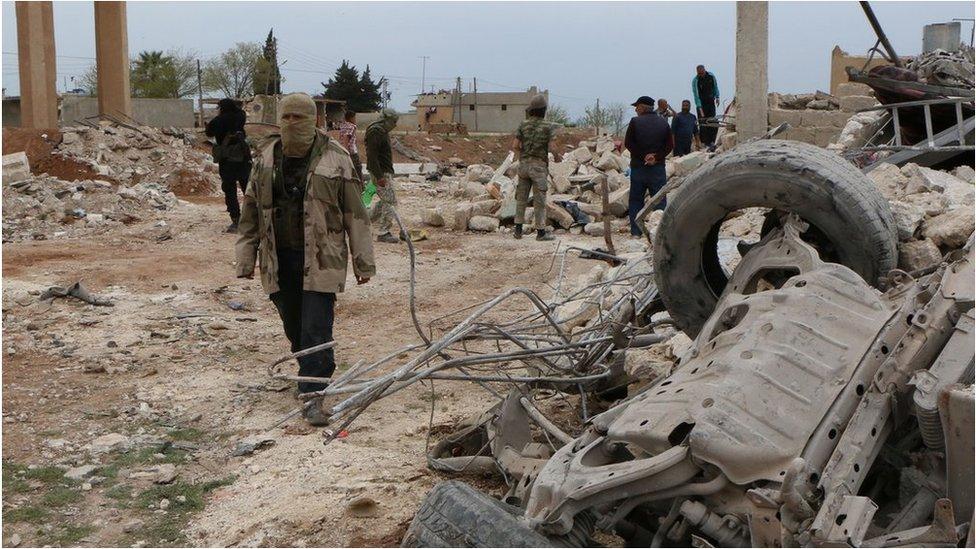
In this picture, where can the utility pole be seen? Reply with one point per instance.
(458, 92)
(200, 91)
(423, 73)
(475, 101)
(385, 94)
(598, 117)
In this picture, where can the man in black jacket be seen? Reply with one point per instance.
(232, 153)
(649, 141)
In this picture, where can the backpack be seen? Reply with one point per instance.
(234, 148)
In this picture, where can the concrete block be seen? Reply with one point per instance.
(853, 88)
(594, 229)
(805, 135)
(15, 167)
(853, 103)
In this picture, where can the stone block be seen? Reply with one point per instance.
(618, 201)
(483, 223)
(908, 217)
(688, 163)
(956, 191)
(951, 229)
(582, 155)
(853, 88)
(15, 167)
(558, 215)
(918, 254)
(804, 135)
(779, 116)
(852, 103)
(889, 180)
(561, 183)
(565, 168)
(485, 207)
(432, 217)
(594, 229)
(462, 215)
(931, 203)
(965, 173)
(824, 136)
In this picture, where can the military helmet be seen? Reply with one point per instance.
(537, 102)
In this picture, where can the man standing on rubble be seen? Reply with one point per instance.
(231, 153)
(684, 126)
(664, 110)
(347, 138)
(649, 141)
(704, 88)
(302, 212)
(532, 150)
(379, 162)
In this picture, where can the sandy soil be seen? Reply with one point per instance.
(173, 368)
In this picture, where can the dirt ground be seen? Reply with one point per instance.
(175, 374)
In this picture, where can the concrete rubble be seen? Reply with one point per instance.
(131, 155)
(576, 181)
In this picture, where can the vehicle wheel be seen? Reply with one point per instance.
(455, 514)
(850, 222)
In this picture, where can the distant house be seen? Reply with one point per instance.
(492, 112)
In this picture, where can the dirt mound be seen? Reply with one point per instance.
(34, 142)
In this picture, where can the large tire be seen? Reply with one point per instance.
(456, 515)
(848, 217)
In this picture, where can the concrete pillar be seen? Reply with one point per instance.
(112, 56)
(751, 69)
(36, 61)
(941, 36)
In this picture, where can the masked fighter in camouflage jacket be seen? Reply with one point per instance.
(532, 143)
(304, 215)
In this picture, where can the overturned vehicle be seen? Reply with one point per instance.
(826, 400)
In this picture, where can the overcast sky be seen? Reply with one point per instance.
(579, 51)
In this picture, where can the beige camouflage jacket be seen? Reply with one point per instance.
(336, 222)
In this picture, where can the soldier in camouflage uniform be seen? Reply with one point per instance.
(379, 162)
(532, 143)
(303, 215)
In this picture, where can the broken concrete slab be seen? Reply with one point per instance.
(462, 215)
(619, 201)
(932, 203)
(890, 181)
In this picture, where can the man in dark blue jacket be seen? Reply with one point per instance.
(649, 141)
(684, 126)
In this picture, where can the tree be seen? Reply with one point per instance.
(267, 76)
(157, 74)
(360, 93)
(608, 119)
(558, 114)
(233, 73)
(89, 80)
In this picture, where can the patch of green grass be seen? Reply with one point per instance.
(60, 496)
(27, 513)
(143, 456)
(47, 474)
(168, 529)
(122, 495)
(188, 434)
(68, 535)
(13, 478)
(193, 493)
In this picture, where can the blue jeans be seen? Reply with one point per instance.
(644, 180)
